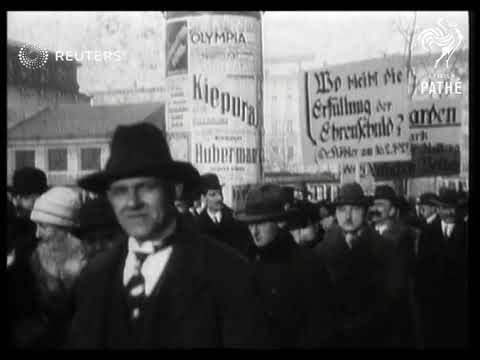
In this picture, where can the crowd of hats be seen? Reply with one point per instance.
(151, 157)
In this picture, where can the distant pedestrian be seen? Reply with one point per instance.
(442, 275)
(294, 286)
(360, 266)
(40, 304)
(28, 184)
(217, 220)
(394, 229)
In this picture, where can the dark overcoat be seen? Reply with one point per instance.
(441, 285)
(230, 232)
(204, 298)
(296, 293)
(402, 238)
(362, 280)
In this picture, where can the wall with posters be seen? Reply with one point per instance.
(214, 86)
(355, 113)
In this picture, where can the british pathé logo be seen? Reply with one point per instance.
(446, 36)
(224, 37)
(32, 56)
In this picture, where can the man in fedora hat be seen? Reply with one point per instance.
(217, 220)
(392, 228)
(293, 284)
(428, 206)
(164, 285)
(360, 266)
(442, 275)
(28, 184)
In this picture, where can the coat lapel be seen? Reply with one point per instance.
(338, 254)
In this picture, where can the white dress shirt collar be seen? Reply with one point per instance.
(381, 228)
(154, 265)
(152, 268)
(431, 218)
(447, 228)
(216, 217)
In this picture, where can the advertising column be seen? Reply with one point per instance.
(214, 85)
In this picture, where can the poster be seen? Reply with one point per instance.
(435, 127)
(355, 112)
(177, 48)
(214, 85)
(178, 109)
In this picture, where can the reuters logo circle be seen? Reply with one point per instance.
(32, 56)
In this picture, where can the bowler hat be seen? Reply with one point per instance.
(29, 180)
(351, 194)
(138, 150)
(210, 181)
(386, 192)
(265, 203)
(447, 197)
(428, 198)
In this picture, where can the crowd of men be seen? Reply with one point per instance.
(147, 255)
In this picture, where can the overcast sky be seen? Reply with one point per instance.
(330, 37)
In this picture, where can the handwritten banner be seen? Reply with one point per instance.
(356, 112)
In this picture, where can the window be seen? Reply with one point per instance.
(90, 159)
(57, 159)
(24, 158)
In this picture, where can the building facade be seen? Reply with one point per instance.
(70, 141)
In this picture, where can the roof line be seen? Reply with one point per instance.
(31, 117)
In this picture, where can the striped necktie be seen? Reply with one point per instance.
(136, 288)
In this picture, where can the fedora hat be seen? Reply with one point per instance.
(29, 180)
(265, 203)
(428, 198)
(210, 181)
(138, 150)
(386, 192)
(351, 194)
(447, 197)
